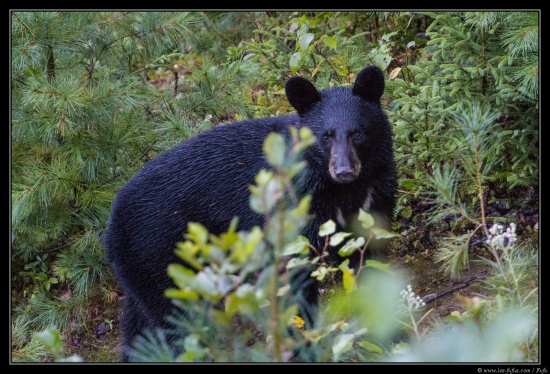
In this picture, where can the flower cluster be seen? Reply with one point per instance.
(500, 238)
(410, 301)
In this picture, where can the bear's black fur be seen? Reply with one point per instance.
(206, 179)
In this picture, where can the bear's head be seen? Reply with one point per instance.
(347, 121)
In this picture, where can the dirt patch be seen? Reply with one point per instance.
(99, 340)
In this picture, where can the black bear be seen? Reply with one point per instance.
(206, 179)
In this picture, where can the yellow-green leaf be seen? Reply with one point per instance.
(187, 251)
(173, 293)
(366, 219)
(348, 279)
(371, 347)
(379, 233)
(275, 149)
(295, 62)
(378, 265)
(312, 335)
(330, 42)
(297, 321)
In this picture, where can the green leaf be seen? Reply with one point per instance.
(379, 233)
(306, 139)
(406, 212)
(312, 335)
(187, 251)
(297, 246)
(296, 168)
(342, 71)
(330, 42)
(193, 349)
(242, 251)
(303, 206)
(275, 149)
(370, 347)
(173, 293)
(327, 228)
(295, 62)
(51, 339)
(304, 41)
(228, 238)
(351, 246)
(347, 277)
(243, 300)
(366, 219)
(386, 37)
(378, 317)
(320, 273)
(264, 197)
(378, 265)
(284, 290)
(294, 262)
(181, 275)
(197, 233)
(342, 343)
(338, 238)
(210, 284)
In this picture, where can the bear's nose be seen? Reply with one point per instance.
(344, 172)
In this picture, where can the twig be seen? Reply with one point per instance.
(434, 296)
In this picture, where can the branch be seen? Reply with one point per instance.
(434, 296)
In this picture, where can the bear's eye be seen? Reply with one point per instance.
(357, 135)
(326, 137)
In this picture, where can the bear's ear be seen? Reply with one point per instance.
(301, 94)
(369, 83)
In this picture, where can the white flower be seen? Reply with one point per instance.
(500, 238)
(410, 301)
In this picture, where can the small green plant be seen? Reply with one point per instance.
(410, 305)
(39, 272)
